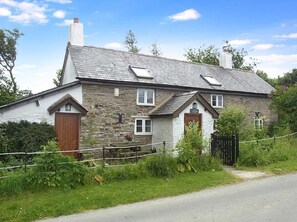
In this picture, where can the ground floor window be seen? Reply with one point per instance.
(143, 126)
(258, 123)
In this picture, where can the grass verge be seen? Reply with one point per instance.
(53, 203)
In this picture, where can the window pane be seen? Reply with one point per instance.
(150, 96)
(140, 96)
(214, 101)
(148, 127)
(139, 126)
(220, 101)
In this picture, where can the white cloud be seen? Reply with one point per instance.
(189, 14)
(60, 1)
(263, 46)
(276, 65)
(59, 14)
(5, 12)
(114, 45)
(278, 59)
(66, 22)
(239, 42)
(289, 36)
(25, 12)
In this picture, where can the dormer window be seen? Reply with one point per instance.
(211, 80)
(141, 72)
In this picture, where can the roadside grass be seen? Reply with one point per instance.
(53, 203)
(279, 168)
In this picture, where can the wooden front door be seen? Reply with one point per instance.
(67, 127)
(192, 117)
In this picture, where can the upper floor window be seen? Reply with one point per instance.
(143, 126)
(217, 101)
(146, 97)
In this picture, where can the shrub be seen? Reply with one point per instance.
(24, 136)
(56, 170)
(161, 165)
(233, 120)
(191, 143)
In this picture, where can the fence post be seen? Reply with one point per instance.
(164, 150)
(103, 156)
(26, 156)
(136, 154)
(237, 146)
(233, 151)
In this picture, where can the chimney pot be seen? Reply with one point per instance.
(76, 20)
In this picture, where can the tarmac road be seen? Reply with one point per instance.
(267, 199)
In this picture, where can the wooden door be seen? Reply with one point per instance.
(192, 117)
(67, 127)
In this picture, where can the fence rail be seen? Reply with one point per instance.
(104, 158)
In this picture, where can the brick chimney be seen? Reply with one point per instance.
(76, 33)
(226, 58)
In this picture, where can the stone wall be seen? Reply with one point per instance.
(100, 126)
(252, 105)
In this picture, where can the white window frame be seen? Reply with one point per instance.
(143, 126)
(217, 99)
(145, 103)
(259, 123)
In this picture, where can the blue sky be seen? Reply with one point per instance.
(266, 29)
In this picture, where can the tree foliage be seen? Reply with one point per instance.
(131, 42)
(231, 120)
(211, 55)
(155, 49)
(57, 81)
(289, 78)
(8, 52)
(285, 103)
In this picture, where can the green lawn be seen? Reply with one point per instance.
(53, 203)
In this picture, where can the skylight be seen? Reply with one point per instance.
(211, 80)
(141, 72)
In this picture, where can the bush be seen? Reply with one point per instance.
(24, 136)
(56, 170)
(161, 165)
(13, 185)
(191, 143)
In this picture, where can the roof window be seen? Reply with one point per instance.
(141, 72)
(211, 80)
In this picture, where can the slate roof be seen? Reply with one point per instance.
(107, 64)
(178, 102)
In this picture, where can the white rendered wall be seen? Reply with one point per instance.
(163, 131)
(178, 123)
(33, 113)
(69, 72)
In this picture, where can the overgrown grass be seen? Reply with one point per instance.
(268, 152)
(53, 203)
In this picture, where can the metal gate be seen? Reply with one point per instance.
(225, 147)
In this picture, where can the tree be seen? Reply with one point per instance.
(155, 49)
(211, 55)
(6, 94)
(8, 53)
(289, 79)
(207, 55)
(284, 100)
(131, 42)
(57, 81)
(265, 77)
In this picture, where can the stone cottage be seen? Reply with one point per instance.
(106, 94)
